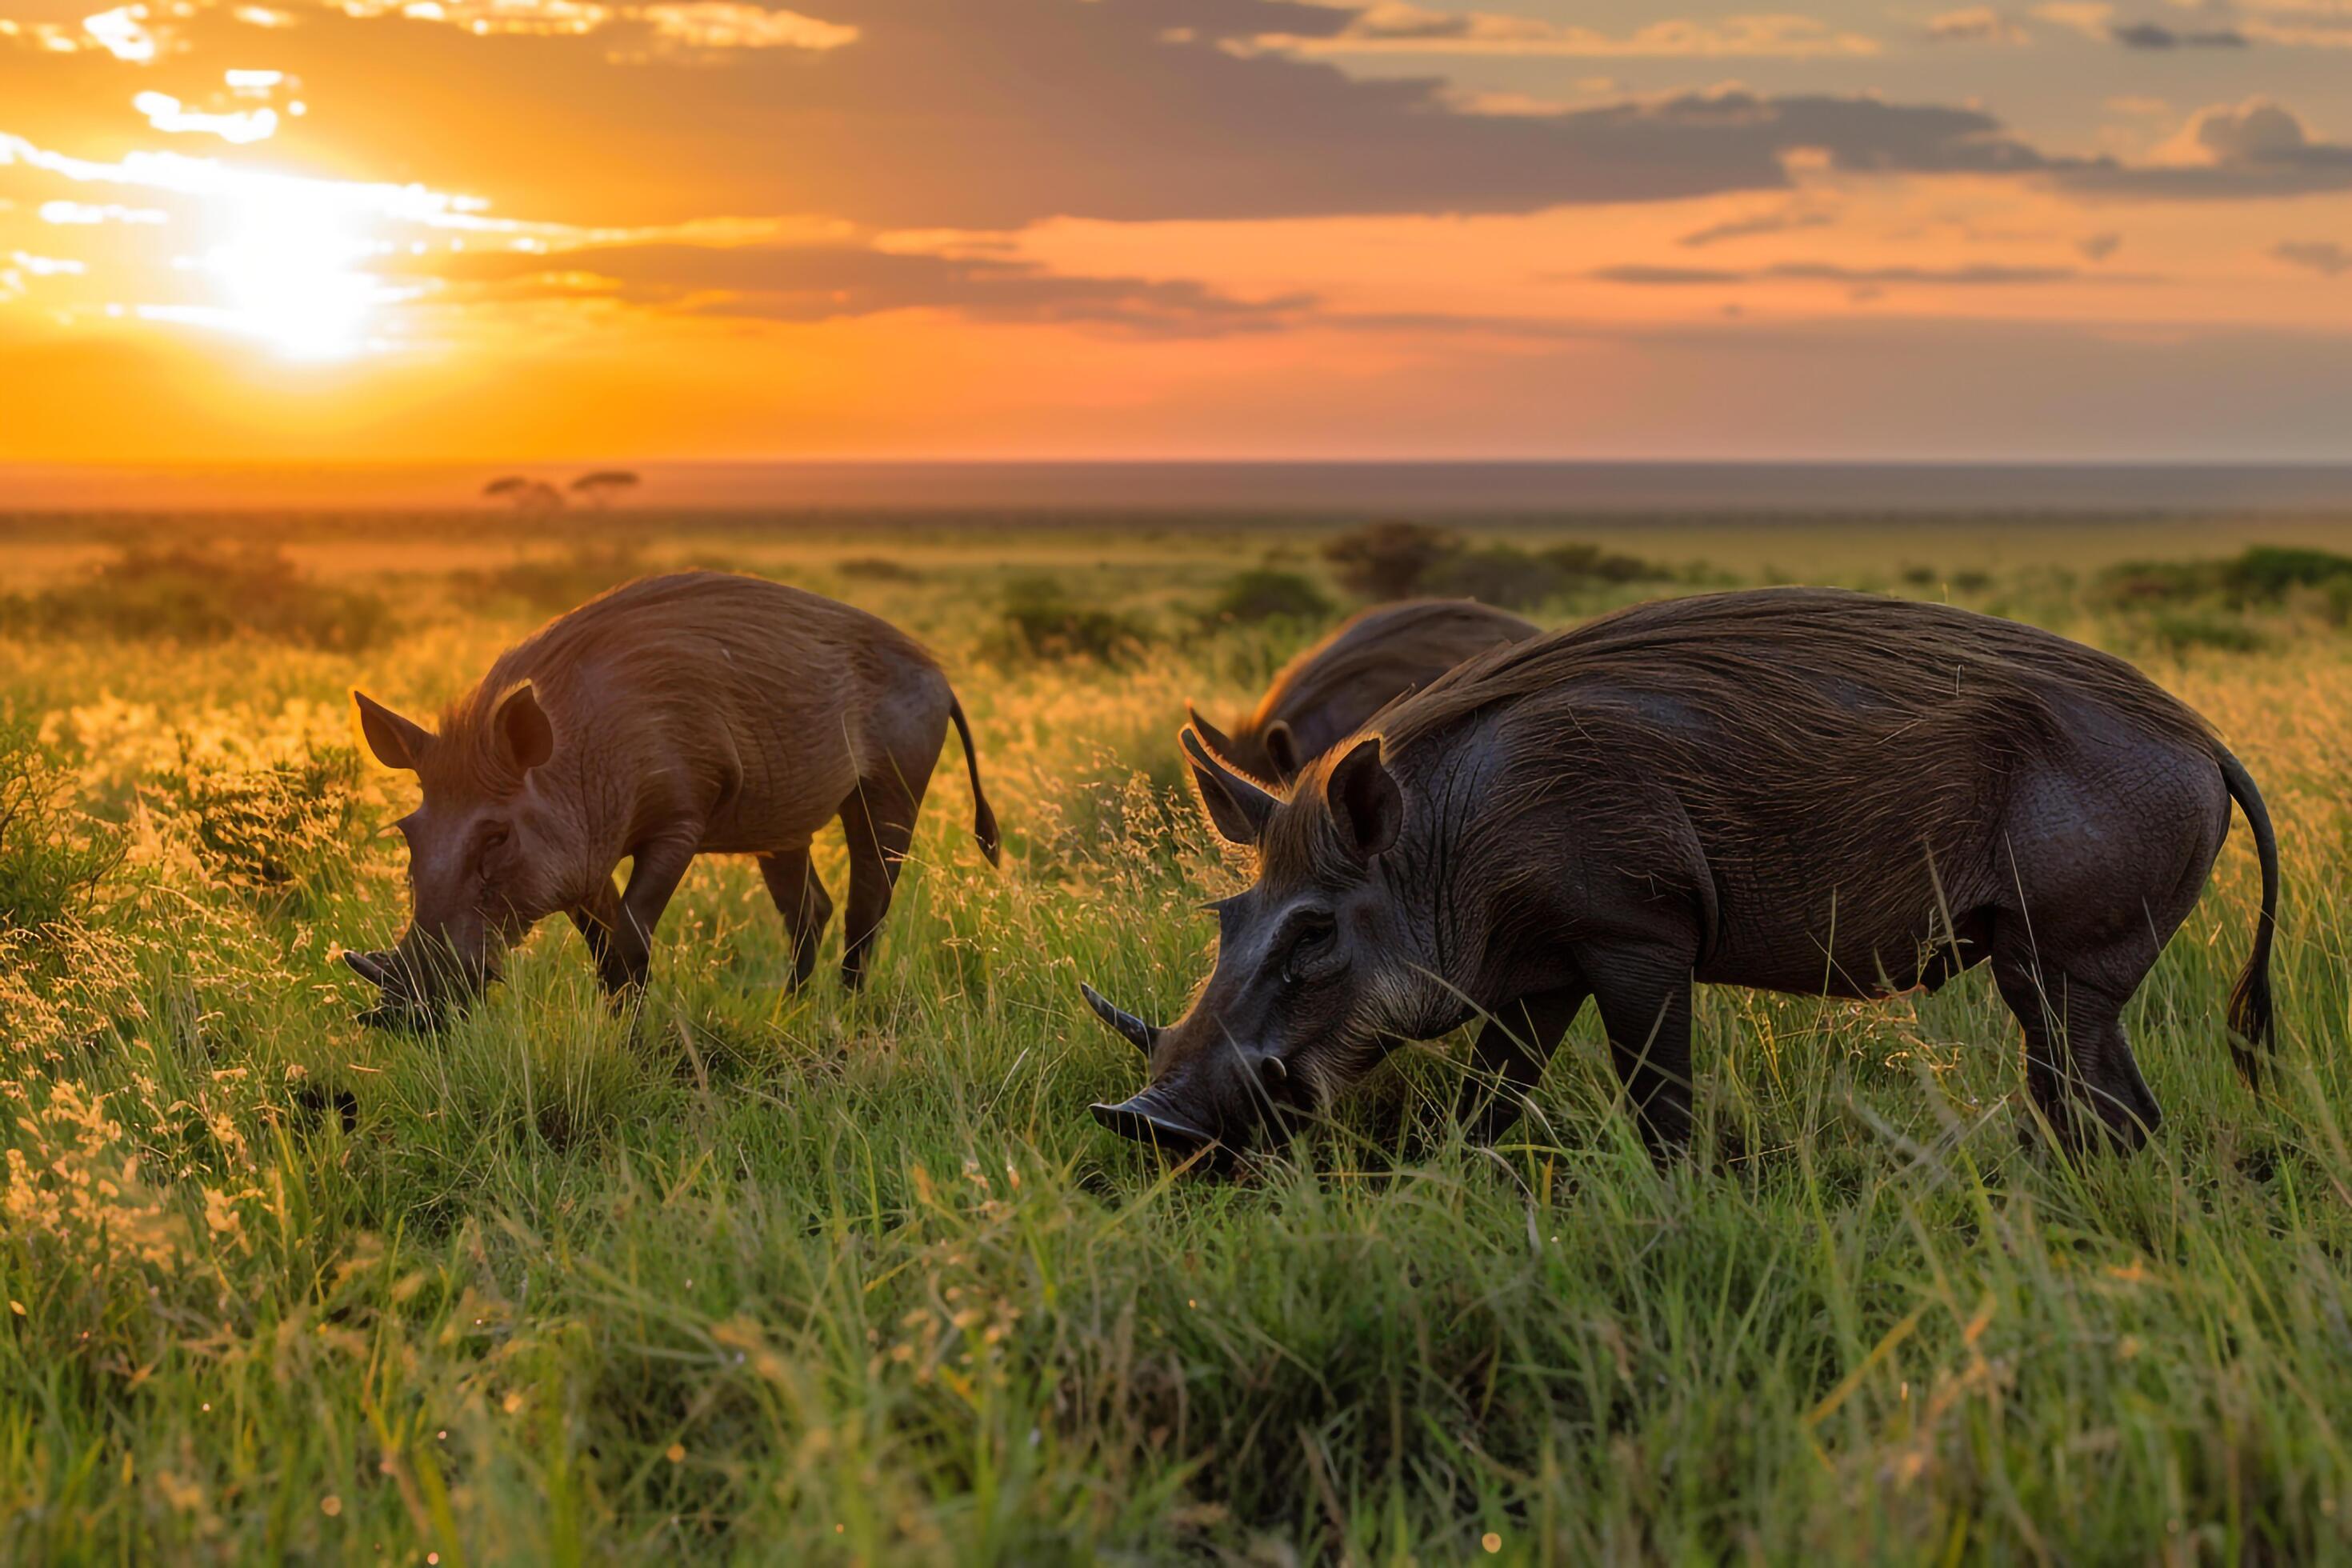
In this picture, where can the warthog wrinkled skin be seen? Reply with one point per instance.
(1332, 689)
(699, 713)
(1797, 790)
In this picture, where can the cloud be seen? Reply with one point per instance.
(2324, 257)
(822, 282)
(2088, 17)
(2099, 247)
(1787, 221)
(721, 25)
(2253, 149)
(1981, 275)
(1391, 27)
(950, 115)
(1978, 24)
(2155, 35)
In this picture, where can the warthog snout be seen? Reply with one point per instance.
(415, 993)
(1147, 1120)
(1227, 1097)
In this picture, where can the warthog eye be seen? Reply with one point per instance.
(1311, 944)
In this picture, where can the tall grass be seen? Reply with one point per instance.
(771, 1277)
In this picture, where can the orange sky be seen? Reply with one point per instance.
(507, 230)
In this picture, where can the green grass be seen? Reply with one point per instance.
(768, 1278)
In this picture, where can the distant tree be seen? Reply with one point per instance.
(526, 495)
(604, 486)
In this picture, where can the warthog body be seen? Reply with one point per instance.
(698, 713)
(1332, 689)
(1797, 790)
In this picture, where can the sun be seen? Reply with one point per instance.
(289, 268)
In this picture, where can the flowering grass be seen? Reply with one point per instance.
(764, 1276)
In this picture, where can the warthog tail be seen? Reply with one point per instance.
(2250, 1000)
(983, 818)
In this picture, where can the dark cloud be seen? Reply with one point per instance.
(828, 282)
(1749, 227)
(945, 113)
(2155, 35)
(2324, 257)
(2255, 149)
(1981, 275)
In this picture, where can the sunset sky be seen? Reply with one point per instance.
(506, 230)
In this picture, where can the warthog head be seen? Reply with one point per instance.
(483, 851)
(1322, 963)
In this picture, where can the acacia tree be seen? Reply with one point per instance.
(604, 486)
(526, 495)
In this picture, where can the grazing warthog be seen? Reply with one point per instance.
(698, 713)
(1329, 692)
(1797, 790)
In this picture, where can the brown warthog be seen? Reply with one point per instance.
(699, 713)
(1797, 790)
(1329, 692)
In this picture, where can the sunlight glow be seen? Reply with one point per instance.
(290, 271)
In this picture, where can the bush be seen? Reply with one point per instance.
(1258, 596)
(195, 595)
(1390, 559)
(52, 857)
(2262, 573)
(1592, 564)
(2181, 630)
(1041, 622)
(1499, 574)
(551, 584)
(2267, 570)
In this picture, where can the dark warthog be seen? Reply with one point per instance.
(699, 713)
(1329, 692)
(1797, 790)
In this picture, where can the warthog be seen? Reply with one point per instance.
(1329, 692)
(694, 714)
(1797, 790)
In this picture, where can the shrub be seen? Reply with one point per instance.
(1267, 595)
(2161, 582)
(1499, 574)
(2181, 630)
(52, 857)
(1592, 563)
(1390, 559)
(549, 583)
(195, 595)
(2262, 573)
(2268, 570)
(1041, 622)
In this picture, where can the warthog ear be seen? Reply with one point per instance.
(1365, 801)
(1237, 808)
(526, 740)
(1217, 741)
(1282, 746)
(397, 742)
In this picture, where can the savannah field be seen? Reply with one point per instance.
(757, 1276)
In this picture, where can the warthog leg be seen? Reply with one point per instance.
(802, 900)
(1512, 1050)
